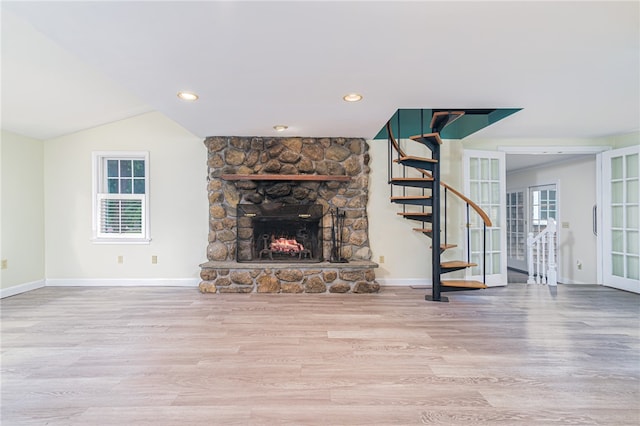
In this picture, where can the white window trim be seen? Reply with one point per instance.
(98, 177)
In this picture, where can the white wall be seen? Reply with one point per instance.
(178, 206)
(576, 184)
(22, 222)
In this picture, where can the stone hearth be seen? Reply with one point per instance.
(330, 172)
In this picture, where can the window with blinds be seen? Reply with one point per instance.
(121, 196)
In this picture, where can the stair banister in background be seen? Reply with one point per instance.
(542, 266)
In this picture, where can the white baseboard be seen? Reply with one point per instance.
(123, 282)
(404, 282)
(21, 288)
(563, 280)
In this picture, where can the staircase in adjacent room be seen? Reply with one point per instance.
(416, 186)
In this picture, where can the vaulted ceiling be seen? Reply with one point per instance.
(573, 67)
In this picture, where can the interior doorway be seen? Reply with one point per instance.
(565, 166)
(528, 211)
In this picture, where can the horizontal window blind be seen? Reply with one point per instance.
(121, 215)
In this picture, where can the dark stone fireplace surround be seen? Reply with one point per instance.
(297, 162)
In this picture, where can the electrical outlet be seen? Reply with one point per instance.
(381, 259)
(5, 263)
(154, 259)
(120, 259)
(565, 225)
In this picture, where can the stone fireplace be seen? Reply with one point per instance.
(270, 221)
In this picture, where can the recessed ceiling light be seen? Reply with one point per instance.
(352, 97)
(280, 127)
(188, 96)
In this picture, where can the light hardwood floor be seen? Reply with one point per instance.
(521, 355)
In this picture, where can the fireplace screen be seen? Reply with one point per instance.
(275, 232)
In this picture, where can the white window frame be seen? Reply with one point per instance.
(99, 192)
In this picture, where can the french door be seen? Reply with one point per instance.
(621, 218)
(517, 230)
(484, 181)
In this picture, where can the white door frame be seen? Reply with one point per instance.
(596, 150)
(541, 150)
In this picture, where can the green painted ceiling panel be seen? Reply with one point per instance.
(409, 122)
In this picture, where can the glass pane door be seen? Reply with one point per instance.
(544, 206)
(516, 230)
(485, 185)
(621, 218)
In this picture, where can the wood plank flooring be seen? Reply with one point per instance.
(521, 355)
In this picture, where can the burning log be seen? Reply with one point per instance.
(284, 245)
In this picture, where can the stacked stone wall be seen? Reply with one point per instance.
(355, 278)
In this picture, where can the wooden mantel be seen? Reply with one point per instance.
(340, 178)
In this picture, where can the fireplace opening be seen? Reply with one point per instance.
(275, 232)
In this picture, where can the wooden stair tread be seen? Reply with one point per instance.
(423, 230)
(463, 284)
(424, 214)
(412, 157)
(446, 246)
(457, 264)
(442, 119)
(428, 136)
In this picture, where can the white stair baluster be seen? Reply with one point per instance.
(544, 258)
(552, 279)
(530, 241)
(543, 268)
(538, 262)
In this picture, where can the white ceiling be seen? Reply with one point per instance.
(573, 66)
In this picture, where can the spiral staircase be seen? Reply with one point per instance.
(416, 185)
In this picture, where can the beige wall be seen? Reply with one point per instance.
(407, 253)
(179, 216)
(576, 182)
(22, 222)
(623, 141)
(178, 205)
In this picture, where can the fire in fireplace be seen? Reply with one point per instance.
(271, 232)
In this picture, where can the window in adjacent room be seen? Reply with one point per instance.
(121, 196)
